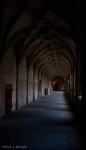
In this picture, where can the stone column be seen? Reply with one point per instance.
(17, 78)
(27, 83)
(34, 72)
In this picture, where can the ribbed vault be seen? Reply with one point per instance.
(47, 40)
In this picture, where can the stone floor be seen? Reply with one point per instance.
(46, 124)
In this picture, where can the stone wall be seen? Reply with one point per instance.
(7, 76)
(22, 84)
(30, 84)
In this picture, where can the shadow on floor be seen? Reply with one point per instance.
(46, 124)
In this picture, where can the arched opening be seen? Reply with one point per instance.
(58, 83)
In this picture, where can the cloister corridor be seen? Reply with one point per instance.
(42, 74)
(45, 124)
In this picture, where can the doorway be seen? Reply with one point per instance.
(58, 83)
(8, 98)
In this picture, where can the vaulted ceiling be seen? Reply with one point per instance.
(46, 33)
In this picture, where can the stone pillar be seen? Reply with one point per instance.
(27, 82)
(39, 83)
(68, 87)
(35, 83)
(42, 85)
(76, 80)
(34, 71)
(73, 85)
(17, 78)
(30, 82)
